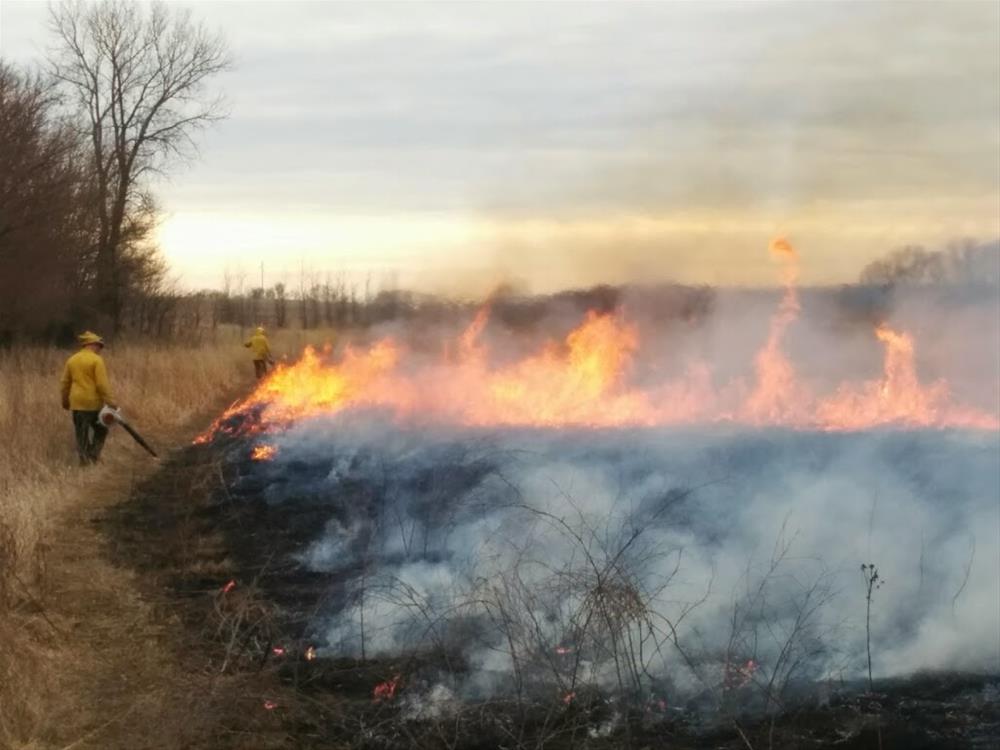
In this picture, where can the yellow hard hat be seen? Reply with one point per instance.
(260, 329)
(89, 337)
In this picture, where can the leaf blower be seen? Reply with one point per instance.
(109, 417)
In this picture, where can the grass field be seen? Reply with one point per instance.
(168, 390)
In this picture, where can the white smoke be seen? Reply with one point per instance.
(695, 563)
(694, 560)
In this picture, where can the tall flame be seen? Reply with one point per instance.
(778, 396)
(897, 397)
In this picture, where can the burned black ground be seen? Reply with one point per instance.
(211, 550)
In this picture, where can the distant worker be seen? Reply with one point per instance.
(261, 352)
(85, 389)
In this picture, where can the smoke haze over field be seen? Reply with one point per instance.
(446, 520)
(682, 558)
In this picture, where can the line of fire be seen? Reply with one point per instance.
(605, 527)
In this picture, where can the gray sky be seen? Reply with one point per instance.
(454, 145)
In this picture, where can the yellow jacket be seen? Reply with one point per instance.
(85, 385)
(258, 345)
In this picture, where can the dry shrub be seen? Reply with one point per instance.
(616, 603)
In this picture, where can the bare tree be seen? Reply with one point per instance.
(964, 262)
(138, 74)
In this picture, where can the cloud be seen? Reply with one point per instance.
(765, 114)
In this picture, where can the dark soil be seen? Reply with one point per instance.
(210, 550)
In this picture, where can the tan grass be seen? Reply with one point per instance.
(166, 389)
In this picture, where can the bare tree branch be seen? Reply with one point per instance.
(139, 75)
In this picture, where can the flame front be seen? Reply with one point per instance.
(584, 381)
(579, 382)
(898, 397)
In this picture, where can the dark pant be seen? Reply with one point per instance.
(260, 368)
(90, 434)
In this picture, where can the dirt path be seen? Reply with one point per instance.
(119, 678)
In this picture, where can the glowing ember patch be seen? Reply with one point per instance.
(270, 705)
(740, 675)
(386, 691)
(263, 452)
(563, 650)
(310, 653)
(655, 704)
(278, 651)
(229, 587)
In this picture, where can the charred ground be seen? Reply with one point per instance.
(212, 551)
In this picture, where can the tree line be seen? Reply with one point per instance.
(119, 100)
(965, 262)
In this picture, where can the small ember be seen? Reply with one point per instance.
(740, 675)
(229, 586)
(263, 452)
(278, 651)
(310, 653)
(656, 704)
(386, 691)
(270, 705)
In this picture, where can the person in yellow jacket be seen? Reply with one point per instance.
(85, 389)
(258, 345)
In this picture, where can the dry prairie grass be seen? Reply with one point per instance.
(47, 545)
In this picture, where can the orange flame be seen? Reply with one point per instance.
(897, 397)
(780, 247)
(469, 341)
(584, 381)
(263, 452)
(777, 396)
(310, 387)
(573, 383)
